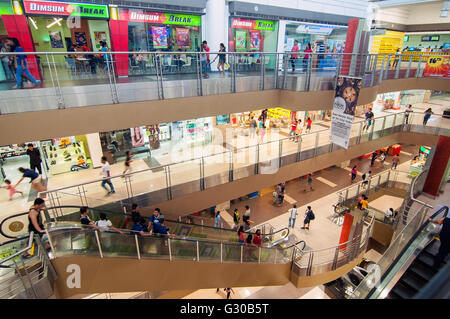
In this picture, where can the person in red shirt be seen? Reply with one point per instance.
(293, 129)
(306, 57)
(257, 238)
(308, 124)
(295, 48)
(205, 59)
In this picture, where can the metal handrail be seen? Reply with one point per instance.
(196, 158)
(412, 189)
(30, 244)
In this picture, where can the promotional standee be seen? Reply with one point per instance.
(346, 98)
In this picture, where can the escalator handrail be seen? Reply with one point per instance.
(411, 240)
(129, 215)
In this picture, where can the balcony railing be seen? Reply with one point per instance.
(74, 79)
(166, 182)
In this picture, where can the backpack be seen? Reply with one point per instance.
(363, 176)
(311, 215)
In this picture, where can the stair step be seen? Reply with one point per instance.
(427, 260)
(403, 291)
(413, 281)
(422, 271)
(433, 247)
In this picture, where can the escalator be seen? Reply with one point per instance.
(413, 268)
(418, 274)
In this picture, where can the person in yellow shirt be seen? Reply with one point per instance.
(364, 202)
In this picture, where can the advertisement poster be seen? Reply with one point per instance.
(437, 66)
(80, 38)
(255, 40)
(56, 39)
(137, 137)
(159, 37)
(99, 36)
(241, 40)
(183, 38)
(346, 98)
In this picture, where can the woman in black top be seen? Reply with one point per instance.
(222, 59)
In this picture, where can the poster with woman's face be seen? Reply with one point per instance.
(137, 137)
(56, 39)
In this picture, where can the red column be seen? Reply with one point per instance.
(119, 42)
(438, 166)
(349, 45)
(346, 230)
(17, 27)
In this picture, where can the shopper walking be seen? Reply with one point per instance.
(408, 111)
(292, 216)
(368, 121)
(444, 238)
(298, 131)
(353, 174)
(236, 218)
(11, 188)
(306, 57)
(106, 173)
(395, 161)
(293, 130)
(397, 57)
(35, 158)
(106, 57)
(374, 156)
(241, 235)
(253, 126)
(262, 131)
(427, 116)
(294, 57)
(21, 61)
(308, 125)
(222, 59)
(309, 181)
(36, 180)
(35, 224)
(229, 291)
(246, 218)
(309, 216)
(204, 58)
(365, 178)
(218, 221)
(127, 163)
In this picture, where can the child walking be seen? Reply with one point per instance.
(12, 189)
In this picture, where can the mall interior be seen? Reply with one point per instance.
(224, 122)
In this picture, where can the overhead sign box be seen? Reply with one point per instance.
(75, 9)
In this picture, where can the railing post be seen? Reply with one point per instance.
(202, 174)
(137, 247)
(169, 182)
(316, 143)
(358, 138)
(51, 243)
(368, 186)
(199, 75)
(231, 168)
(393, 124)
(22, 280)
(388, 64)
(257, 160)
(170, 248)
(299, 149)
(382, 128)
(397, 71)
(285, 60)
(280, 152)
(277, 63)
(276, 255)
(259, 255)
(371, 130)
(309, 72)
(409, 67)
(380, 78)
(418, 67)
(233, 73)
(374, 70)
(99, 244)
(262, 72)
(221, 252)
(335, 259)
(242, 253)
(310, 261)
(346, 194)
(198, 251)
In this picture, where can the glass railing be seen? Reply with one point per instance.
(74, 79)
(166, 182)
(71, 239)
(315, 262)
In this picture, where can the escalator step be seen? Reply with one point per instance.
(413, 281)
(403, 291)
(426, 259)
(433, 247)
(393, 295)
(425, 272)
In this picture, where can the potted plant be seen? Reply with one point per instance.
(447, 112)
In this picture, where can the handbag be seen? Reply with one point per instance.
(227, 66)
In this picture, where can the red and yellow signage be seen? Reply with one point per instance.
(438, 66)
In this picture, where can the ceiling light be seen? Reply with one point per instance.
(55, 22)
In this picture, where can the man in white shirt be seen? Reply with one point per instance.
(388, 215)
(106, 176)
(293, 215)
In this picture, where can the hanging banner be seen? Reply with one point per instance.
(437, 66)
(159, 36)
(183, 38)
(346, 97)
(255, 40)
(241, 40)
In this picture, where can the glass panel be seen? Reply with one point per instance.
(76, 241)
(231, 253)
(209, 251)
(267, 255)
(114, 244)
(183, 249)
(153, 180)
(248, 71)
(216, 169)
(308, 143)
(185, 177)
(377, 127)
(244, 160)
(271, 74)
(153, 247)
(250, 253)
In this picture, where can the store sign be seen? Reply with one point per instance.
(158, 17)
(437, 66)
(252, 24)
(345, 101)
(321, 29)
(66, 9)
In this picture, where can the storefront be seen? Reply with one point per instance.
(55, 26)
(6, 68)
(418, 162)
(151, 31)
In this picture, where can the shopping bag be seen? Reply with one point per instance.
(227, 66)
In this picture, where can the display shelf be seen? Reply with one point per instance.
(61, 159)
